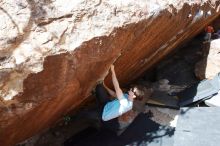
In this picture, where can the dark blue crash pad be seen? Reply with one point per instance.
(199, 91)
(142, 131)
(162, 99)
(198, 126)
(145, 132)
(93, 137)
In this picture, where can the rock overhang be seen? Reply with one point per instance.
(62, 53)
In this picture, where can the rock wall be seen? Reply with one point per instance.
(209, 66)
(52, 52)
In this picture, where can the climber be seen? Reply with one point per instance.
(113, 108)
(105, 116)
(209, 30)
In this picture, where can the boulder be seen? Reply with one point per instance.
(52, 52)
(209, 65)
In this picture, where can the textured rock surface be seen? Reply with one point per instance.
(144, 88)
(179, 69)
(209, 66)
(52, 52)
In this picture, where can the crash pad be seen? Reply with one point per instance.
(93, 137)
(144, 131)
(162, 99)
(199, 91)
(198, 126)
(214, 101)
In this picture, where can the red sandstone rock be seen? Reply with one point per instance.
(53, 53)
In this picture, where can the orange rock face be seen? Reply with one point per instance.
(68, 78)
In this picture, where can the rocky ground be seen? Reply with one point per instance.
(173, 74)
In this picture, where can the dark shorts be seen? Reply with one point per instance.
(103, 97)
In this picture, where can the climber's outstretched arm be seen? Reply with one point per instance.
(110, 91)
(118, 90)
